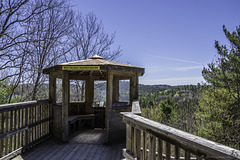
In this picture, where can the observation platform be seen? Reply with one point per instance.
(82, 145)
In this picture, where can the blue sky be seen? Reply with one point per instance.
(172, 39)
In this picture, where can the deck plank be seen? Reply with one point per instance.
(83, 145)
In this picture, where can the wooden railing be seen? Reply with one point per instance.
(23, 125)
(149, 140)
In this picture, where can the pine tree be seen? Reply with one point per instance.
(220, 104)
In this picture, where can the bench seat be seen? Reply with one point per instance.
(73, 120)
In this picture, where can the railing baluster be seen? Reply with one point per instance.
(19, 125)
(132, 141)
(128, 136)
(137, 142)
(187, 155)
(144, 152)
(6, 139)
(152, 147)
(22, 133)
(134, 144)
(40, 118)
(1, 132)
(160, 149)
(168, 151)
(32, 113)
(177, 153)
(26, 123)
(15, 127)
(10, 129)
(35, 120)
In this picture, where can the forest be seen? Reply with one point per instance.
(38, 34)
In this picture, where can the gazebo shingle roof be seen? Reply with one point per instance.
(95, 61)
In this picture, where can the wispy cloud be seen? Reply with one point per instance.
(152, 69)
(189, 68)
(175, 59)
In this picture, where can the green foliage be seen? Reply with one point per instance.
(216, 119)
(175, 107)
(5, 92)
(219, 112)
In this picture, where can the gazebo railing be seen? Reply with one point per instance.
(149, 140)
(23, 125)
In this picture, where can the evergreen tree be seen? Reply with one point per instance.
(219, 112)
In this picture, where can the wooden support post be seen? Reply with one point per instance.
(65, 104)
(108, 103)
(133, 88)
(52, 98)
(152, 149)
(89, 95)
(115, 89)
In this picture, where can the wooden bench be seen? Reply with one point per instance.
(73, 120)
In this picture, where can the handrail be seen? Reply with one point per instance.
(138, 127)
(23, 125)
(23, 104)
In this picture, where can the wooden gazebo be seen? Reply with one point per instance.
(90, 70)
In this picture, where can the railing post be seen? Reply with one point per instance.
(128, 137)
(137, 143)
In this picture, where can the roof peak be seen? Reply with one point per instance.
(96, 57)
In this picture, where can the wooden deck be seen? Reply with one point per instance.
(83, 145)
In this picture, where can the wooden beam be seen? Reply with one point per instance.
(108, 102)
(115, 89)
(80, 77)
(89, 95)
(21, 105)
(52, 97)
(133, 88)
(65, 104)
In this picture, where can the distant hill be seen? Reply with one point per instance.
(154, 88)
